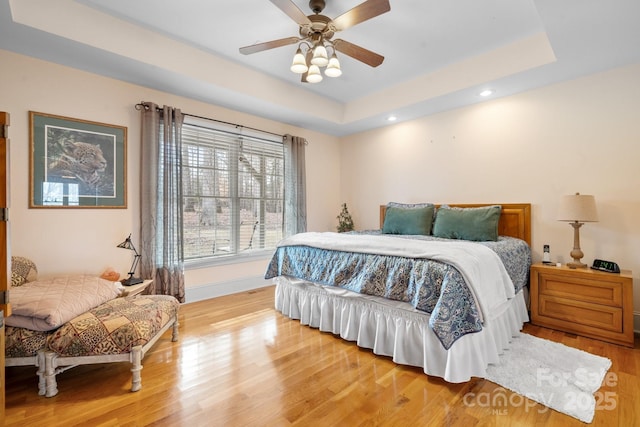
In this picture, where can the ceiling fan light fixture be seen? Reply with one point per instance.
(333, 68)
(314, 76)
(299, 64)
(320, 56)
(315, 36)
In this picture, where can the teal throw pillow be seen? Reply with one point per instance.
(476, 224)
(408, 221)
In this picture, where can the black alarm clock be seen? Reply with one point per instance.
(608, 266)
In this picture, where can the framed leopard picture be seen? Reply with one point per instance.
(76, 163)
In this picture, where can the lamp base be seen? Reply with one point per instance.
(578, 264)
(131, 281)
(576, 253)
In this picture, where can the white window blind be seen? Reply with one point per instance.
(233, 190)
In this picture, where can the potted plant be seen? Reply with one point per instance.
(345, 222)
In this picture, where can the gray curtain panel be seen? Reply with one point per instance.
(295, 191)
(161, 198)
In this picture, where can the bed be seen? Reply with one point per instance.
(67, 321)
(408, 297)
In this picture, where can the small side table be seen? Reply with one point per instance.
(135, 289)
(584, 302)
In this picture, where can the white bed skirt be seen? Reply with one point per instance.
(396, 329)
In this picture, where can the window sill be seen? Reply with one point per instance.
(228, 259)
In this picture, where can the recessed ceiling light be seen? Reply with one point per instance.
(392, 118)
(486, 92)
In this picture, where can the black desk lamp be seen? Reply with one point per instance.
(127, 244)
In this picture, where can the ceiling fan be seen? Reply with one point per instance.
(316, 35)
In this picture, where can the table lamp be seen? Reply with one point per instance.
(577, 209)
(128, 244)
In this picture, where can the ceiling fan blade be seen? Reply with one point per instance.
(356, 52)
(293, 11)
(259, 47)
(364, 11)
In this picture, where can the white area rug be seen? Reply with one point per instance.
(557, 376)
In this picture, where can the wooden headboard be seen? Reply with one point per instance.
(515, 219)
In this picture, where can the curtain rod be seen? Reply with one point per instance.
(142, 105)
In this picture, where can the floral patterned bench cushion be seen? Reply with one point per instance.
(114, 327)
(20, 342)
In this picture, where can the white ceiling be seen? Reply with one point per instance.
(438, 54)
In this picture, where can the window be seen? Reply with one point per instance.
(233, 190)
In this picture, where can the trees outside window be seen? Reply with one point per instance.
(233, 191)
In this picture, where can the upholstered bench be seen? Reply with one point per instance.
(119, 330)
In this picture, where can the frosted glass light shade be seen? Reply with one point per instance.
(320, 56)
(314, 76)
(299, 64)
(333, 68)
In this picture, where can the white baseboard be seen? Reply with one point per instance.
(212, 290)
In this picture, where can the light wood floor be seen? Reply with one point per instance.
(240, 363)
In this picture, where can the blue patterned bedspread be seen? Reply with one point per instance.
(430, 286)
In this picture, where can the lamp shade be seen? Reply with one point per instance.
(314, 76)
(578, 207)
(320, 56)
(333, 69)
(299, 64)
(127, 244)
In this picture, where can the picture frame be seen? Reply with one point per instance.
(76, 163)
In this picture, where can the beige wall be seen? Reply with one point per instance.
(582, 135)
(84, 240)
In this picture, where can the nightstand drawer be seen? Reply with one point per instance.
(592, 317)
(581, 289)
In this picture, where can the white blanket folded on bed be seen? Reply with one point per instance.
(47, 304)
(481, 267)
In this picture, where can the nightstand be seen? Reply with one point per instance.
(583, 301)
(135, 289)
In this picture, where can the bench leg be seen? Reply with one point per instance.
(136, 361)
(174, 332)
(50, 374)
(40, 363)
